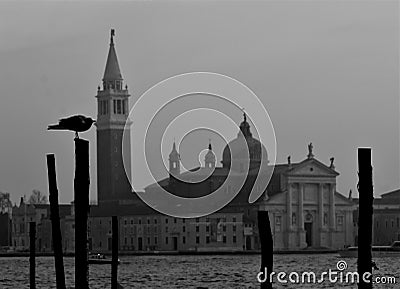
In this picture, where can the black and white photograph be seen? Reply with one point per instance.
(199, 144)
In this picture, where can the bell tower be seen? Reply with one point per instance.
(174, 162)
(112, 115)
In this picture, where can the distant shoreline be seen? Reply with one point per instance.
(169, 253)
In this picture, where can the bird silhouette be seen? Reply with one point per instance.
(76, 123)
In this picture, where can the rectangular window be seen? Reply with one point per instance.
(340, 220)
(119, 108)
(207, 239)
(234, 228)
(106, 106)
(197, 239)
(148, 241)
(278, 221)
(123, 106)
(224, 239)
(197, 229)
(184, 240)
(155, 240)
(115, 106)
(183, 229)
(234, 239)
(207, 228)
(166, 221)
(166, 240)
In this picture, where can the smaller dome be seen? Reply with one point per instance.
(209, 158)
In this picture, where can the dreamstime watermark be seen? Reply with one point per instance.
(181, 106)
(332, 276)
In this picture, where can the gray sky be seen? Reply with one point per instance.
(327, 72)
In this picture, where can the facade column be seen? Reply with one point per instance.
(332, 217)
(301, 209)
(289, 208)
(302, 232)
(289, 213)
(321, 213)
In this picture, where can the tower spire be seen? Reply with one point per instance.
(112, 72)
(112, 37)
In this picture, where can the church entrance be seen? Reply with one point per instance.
(308, 228)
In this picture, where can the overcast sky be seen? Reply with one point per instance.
(327, 72)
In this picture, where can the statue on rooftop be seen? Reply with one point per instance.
(310, 149)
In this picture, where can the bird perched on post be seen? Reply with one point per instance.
(76, 123)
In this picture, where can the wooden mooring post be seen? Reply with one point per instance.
(366, 198)
(114, 258)
(55, 221)
(267, 248)
(81, 198)
(32, 264)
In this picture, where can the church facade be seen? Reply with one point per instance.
(305, 210)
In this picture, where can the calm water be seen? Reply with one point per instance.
(212, 272)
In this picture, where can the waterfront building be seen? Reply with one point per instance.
(386, 218)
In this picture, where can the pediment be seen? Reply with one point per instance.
(312, 167)
(342, 200)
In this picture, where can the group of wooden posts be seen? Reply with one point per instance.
(81, 199)
(81, 203)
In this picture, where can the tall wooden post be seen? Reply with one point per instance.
(114, 260)
(81, 196)
(55, 222)
(366, 198)
(32, 244)
(267, 247)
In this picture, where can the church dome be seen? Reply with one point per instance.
(235, 153)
